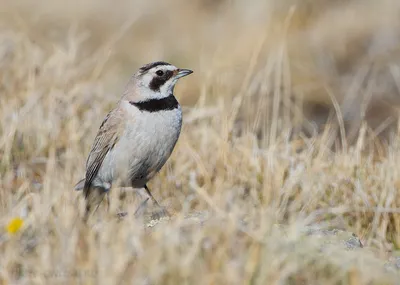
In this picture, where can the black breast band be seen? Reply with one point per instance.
(155, 105)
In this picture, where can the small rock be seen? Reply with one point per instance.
(393, 264)
(348, 239)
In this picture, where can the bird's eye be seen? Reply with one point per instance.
(160, 72)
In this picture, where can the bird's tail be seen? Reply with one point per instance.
(94, 197)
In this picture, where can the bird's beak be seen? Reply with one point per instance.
(183, 72)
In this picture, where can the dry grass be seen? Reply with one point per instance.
(290, 118)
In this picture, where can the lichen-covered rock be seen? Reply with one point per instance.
(190, 219)
(349, 240)
(335, 236)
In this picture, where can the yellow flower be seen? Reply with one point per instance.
(14, 225)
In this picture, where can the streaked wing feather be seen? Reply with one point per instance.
(108, 135)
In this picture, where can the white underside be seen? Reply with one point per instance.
(142, 150)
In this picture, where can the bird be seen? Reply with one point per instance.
(137, 136)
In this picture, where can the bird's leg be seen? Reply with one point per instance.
(158, 214)
(151, 196)
(141, 207)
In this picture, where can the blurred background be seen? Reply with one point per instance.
(301, 64)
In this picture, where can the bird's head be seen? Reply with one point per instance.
(155, 81)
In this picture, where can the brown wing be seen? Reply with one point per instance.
(108, 135)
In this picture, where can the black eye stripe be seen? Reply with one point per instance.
(158, 81)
